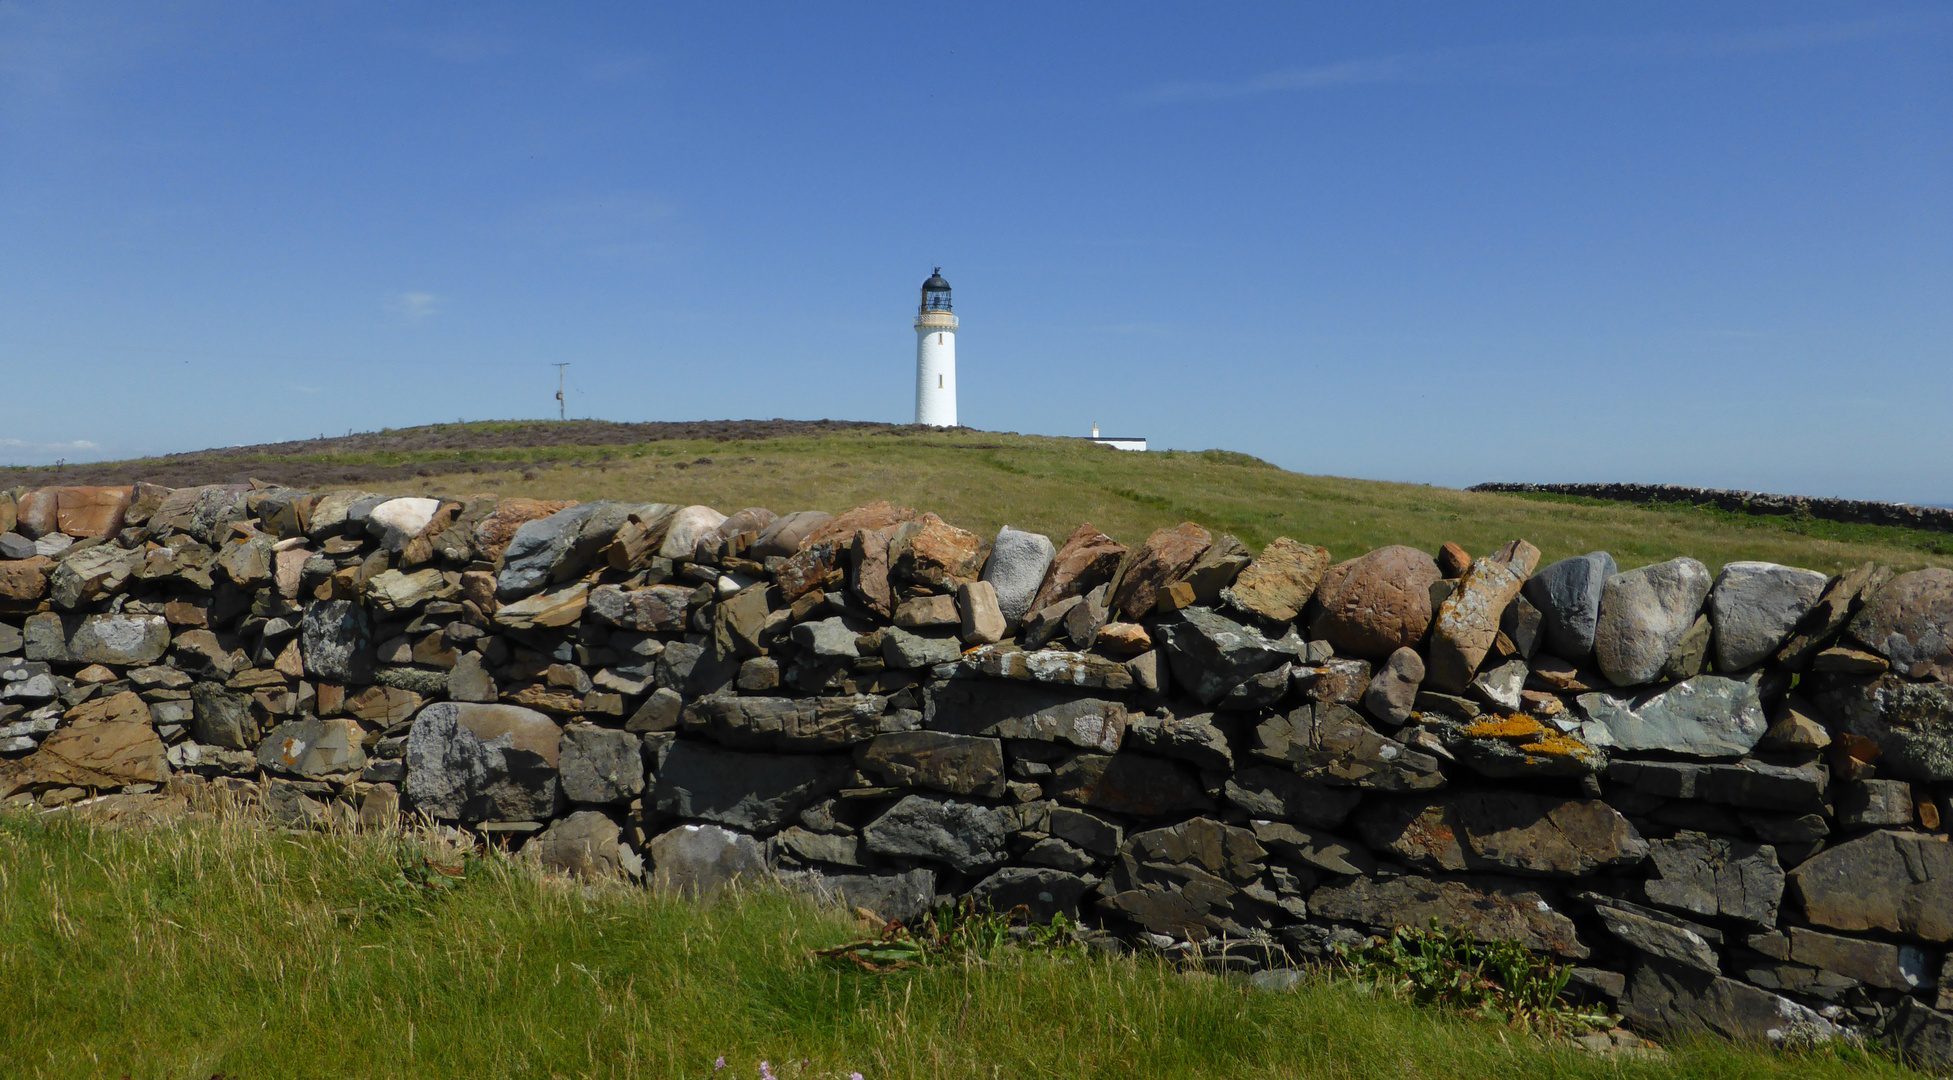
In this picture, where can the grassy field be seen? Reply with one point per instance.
(221, 947)
(983, 480)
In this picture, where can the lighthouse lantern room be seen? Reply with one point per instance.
(935, 355)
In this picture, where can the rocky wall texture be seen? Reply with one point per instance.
(1723, 799)
(1855, 511)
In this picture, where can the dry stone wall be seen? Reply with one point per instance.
(1723, 799)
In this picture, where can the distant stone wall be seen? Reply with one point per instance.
(1855, 511)
(1723, 801)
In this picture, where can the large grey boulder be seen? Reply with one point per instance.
(472, 762)
(1567, 594)
(1018, 562)
(538, 546)
(702, 861)
(1676, 1000)
(1754, 607)
(688, 526)
(601, 765)
(1923, 1037)
(907, 651)
(966, 836)
(335, 638)
(1910, 722)
(1212, 654)
(1643, 613)
(756, 793)
(1910, 623)
(1264, 791)
(1706, 717)
(1392, 693)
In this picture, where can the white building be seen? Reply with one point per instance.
(1119, 442)
(935, 355)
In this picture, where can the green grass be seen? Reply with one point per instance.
(221, 946)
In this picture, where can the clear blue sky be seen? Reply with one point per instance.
(1681, 242)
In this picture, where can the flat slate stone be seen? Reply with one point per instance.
(1716, 876)
(1898, 882)
(1706, 717)
(967, 836)
(1675, 1000)
(1501, 832)
(752, 792)
(1487, 909)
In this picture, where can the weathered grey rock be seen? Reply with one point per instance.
(1922, 1037)
(687, 527)
(1755, 606)
(1025, 711)
(537, 549)
(1706, 717)
(1393, 690)
(1129, 783)
(392, 591)
(1674, 1000)
(832, 637)
(1643, 613)
(1716, 876)
(905, 898)
(587, 845)
(1277, 585)
(1467, 623)
(1192, 739)
(752, 792)
(1018, 563)
(1211, 654)
(1502, 685)
(1567, 594)
(1333, 744)
(1266, 792)
(1691, 652)
(313, 747)
(1877, 963)
(1827, 618)
(1487, 909)
(1329, 854)
(1898, 882)
(1045, 891)
(924, 612)
(957, 764)
(966, 836)
(984, 622)
(601, 765)
(703, 861)
(1523, 626)
(222, 718)
(1665, 936)
(1873, 803)
(822, 723)
(786, 534)
(119, 639)
(1501, 831)
(807, 846)
(906, 651)
(657, 609)
(1910, 623)
(469, 681)
(336, 640)
(483, 763)
(1056, 667)
(660, 712)
(1911, 723)
(1377, 603)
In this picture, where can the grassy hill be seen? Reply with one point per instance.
(982, 480)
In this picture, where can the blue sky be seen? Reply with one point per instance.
(1669, 242)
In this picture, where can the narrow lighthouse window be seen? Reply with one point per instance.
(939, 382)
(939, 339)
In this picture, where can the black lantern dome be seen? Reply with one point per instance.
(935, 293)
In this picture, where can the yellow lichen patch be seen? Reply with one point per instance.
(1516, 726)
(1557, 746)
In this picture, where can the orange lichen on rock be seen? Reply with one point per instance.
(1516, 726)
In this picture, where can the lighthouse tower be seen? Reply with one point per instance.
(935, 355)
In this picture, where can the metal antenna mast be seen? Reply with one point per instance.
(562, 411)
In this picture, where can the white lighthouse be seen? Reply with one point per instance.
(935, 355)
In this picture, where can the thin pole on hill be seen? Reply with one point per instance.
(561, 413)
